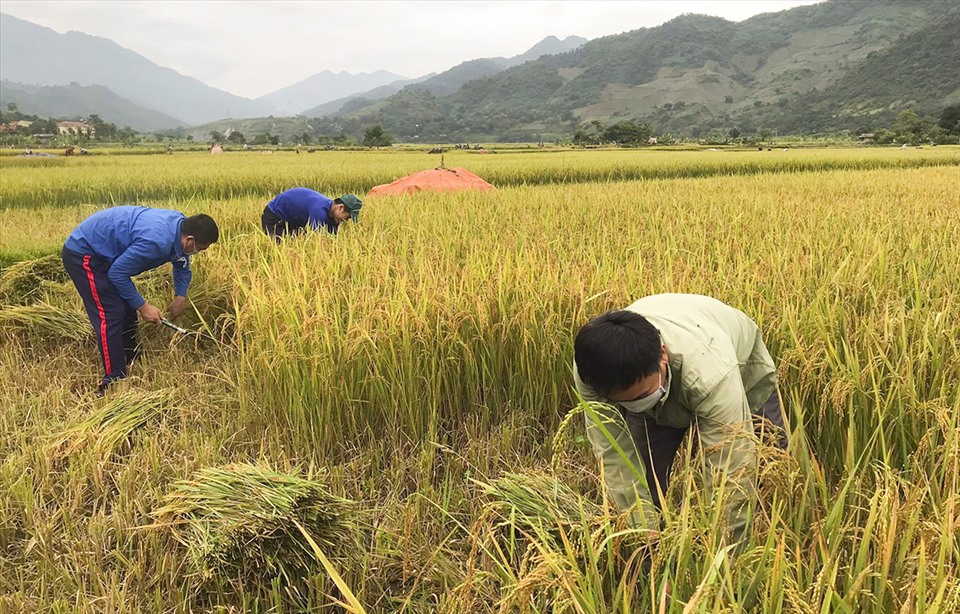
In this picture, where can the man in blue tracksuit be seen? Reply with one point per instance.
(294, 210)
(113, 245)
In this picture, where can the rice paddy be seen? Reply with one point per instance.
(385, 425)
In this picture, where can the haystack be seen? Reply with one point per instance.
(437, 179)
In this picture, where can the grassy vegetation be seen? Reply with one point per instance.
(420, 363)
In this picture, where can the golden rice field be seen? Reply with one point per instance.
(380, 425)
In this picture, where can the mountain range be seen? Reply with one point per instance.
(75, 101)
(75, 74)
(450, 80)
(838, 64)
(35, 55)
(324, 87)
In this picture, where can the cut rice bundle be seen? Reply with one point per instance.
(22, 282)
(241, 521)
(44, 322)
(113, 425)
(537, 501)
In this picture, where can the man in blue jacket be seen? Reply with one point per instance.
(295, 209)
(113, 245)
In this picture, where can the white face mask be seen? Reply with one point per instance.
(648, 402)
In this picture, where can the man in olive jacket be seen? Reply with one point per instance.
(666, 363)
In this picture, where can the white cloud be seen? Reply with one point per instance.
(252, 48)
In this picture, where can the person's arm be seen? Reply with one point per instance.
(624, 476)
(181, 276)
(181, 281)
(726, 434)
(317, 217)
(131, 262)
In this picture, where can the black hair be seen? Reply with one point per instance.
(616, 349)
(202, 227)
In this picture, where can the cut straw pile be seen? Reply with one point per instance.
(241, 521)
(23, 282)
(45, 322)
(113, 425)
(537, 502)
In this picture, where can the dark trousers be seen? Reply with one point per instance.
(658, 444)
(114, 320)
(275, 226)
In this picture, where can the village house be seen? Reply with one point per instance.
(14, 127)
(75, 128)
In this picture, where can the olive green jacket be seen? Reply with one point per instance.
(720, 374)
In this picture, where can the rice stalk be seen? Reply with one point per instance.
(552, 549)
(563, 436)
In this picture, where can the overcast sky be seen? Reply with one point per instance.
(251, 48)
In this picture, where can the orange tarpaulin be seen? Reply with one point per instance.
(438, 179)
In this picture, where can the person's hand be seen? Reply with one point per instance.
(642, 541)
(649, 538)
(149, 313)
(177, 307)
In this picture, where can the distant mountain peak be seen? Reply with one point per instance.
(37, 55)
(451, 80)
(326, 86)
(550, 45)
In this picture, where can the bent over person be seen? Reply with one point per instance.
(113, 245)
(296, 209)
(664, 364)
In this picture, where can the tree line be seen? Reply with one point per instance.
(910, 127)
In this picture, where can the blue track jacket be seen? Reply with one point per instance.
(302, 206)
(134, 240)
